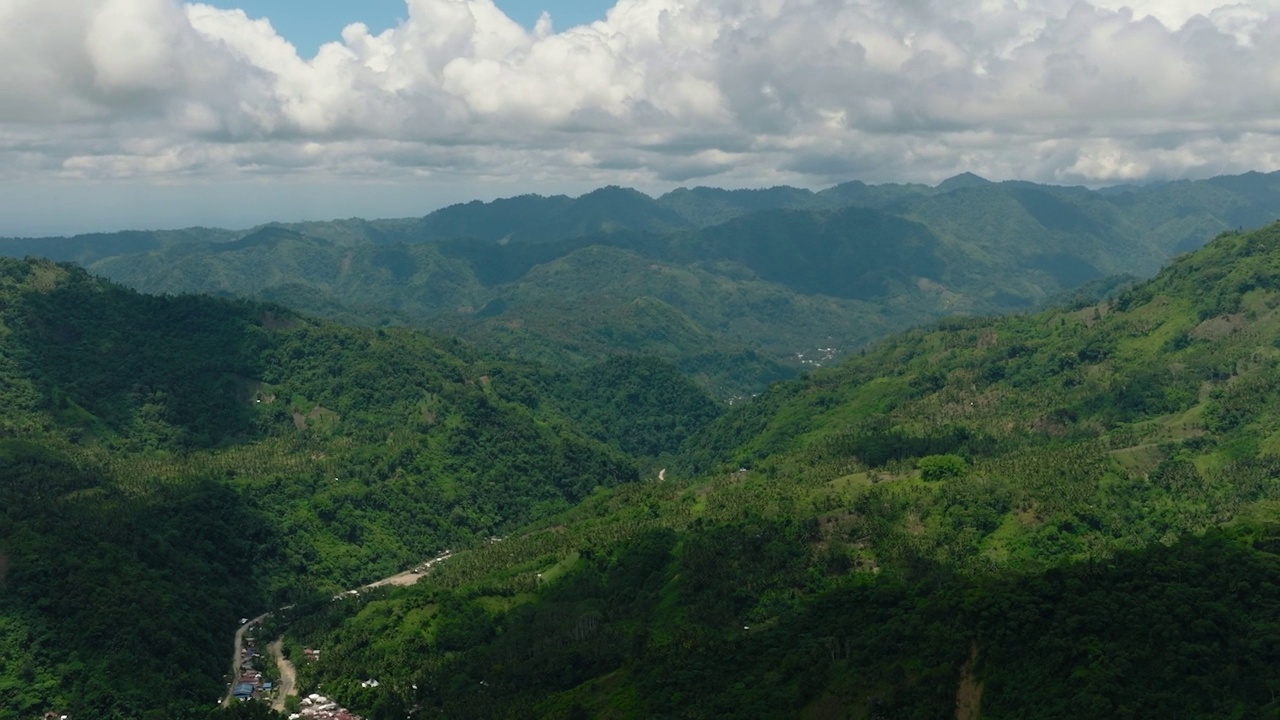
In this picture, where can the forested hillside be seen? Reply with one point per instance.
(169, 464)
(875, 539)
(737, 288)
(1054, 515)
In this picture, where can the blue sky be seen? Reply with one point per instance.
(311, 23)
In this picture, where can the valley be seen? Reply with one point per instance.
(944, 507)
(732, 287)
(639, 360)
(852, 542)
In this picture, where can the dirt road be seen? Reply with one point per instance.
(235, 654)
(288, 675)
(405, 579)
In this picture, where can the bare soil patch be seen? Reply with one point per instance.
(319, 416)
(969, 695)
(288, 675)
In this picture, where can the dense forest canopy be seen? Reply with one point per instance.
(1027, 516)
(171, 463)
(1013, 516)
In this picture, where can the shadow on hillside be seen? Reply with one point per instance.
(104, 578)
(167, 372)
(1182, 631)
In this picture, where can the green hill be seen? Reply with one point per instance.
(168, 464)
(1037, 516)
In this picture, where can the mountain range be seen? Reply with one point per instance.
(1050, 513)
(736, 287)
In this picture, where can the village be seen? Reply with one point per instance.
(250, 683)
(248, 678)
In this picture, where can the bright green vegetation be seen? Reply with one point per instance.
(737, 288)
(643, 406)
(1054, 515)
(170, 464)
(1041, 515)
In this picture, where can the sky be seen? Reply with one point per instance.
(159, 113)
(308, 24)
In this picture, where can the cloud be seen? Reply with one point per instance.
(739, 92)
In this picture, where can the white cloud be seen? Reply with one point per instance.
(660, 91)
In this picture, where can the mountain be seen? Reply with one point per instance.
(736, 287)
(496, 220)
(731, 331)
(963, 180)
(1050, 513)
(169, 463)
(1043, 515)
(533, 218)
(89, 248)
(704, 206)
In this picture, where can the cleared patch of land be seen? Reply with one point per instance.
(969, 696)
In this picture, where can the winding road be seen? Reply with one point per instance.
(288, 674)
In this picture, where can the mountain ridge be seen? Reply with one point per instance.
(1006, 503)
(877, 259)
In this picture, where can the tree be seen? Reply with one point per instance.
(934, 468)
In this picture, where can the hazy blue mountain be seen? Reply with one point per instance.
(87, 249)
(864, 260)
(963, 180)
(704, 206)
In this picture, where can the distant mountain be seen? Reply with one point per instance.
(854, 253)
(496, 220)
(842, 266)
(704, 206)
(873, 196)
(87, 249)
(963, 180)
(532, 218)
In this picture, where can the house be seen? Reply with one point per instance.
(243, 691)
